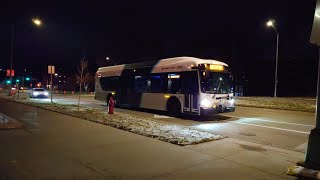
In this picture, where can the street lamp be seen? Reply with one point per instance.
(111, 60)
(271, 23)
(38, 23)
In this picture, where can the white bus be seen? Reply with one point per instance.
(181, 85)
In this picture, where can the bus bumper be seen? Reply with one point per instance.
(208, 111)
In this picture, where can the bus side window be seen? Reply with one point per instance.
(109, 83)
(174, 83)
(140, 84)
(158, 83)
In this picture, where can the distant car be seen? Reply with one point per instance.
(38, 93)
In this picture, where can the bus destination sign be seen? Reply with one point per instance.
(216, 67)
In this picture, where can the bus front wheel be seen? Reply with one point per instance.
(173, 107)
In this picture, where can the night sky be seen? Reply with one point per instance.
(136, 31)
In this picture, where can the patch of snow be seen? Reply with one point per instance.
(163, 131)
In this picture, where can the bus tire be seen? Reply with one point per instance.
(173, 107)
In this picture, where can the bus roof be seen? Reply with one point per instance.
(176, 64)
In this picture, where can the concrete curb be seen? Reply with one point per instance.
(300, 171)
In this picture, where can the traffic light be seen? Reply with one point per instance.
(17, 80)
(8, 82)
(27, 78)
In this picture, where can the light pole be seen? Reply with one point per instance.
(312, 157)
(37, 22)
(11, 58)
(271, 23)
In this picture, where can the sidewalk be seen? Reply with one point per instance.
(63, 147)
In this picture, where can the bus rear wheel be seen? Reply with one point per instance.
(173, 107)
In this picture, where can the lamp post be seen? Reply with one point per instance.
(312, 157)
(11, 58)
(37, 22)
(271, 23)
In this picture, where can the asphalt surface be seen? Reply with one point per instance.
(277, 128)
(57, 146)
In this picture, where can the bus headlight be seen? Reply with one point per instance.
(205, 103)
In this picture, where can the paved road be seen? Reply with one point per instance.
(278, 128)
(57, 146)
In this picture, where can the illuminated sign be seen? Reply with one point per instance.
(51, 69)
(173, 76)
(216, 67)
(8, 72)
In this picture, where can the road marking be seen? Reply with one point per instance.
(290, 130)
(279, 122)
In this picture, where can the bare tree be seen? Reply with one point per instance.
(82, 76)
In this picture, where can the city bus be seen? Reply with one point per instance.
(180, 85)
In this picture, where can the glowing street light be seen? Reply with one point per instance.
(111, 60)
(271, 23)
(37, 21)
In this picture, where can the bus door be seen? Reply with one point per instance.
(133, 85)
(190, 86)
(123, 90)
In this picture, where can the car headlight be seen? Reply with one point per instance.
(46, 93)
(205, 103)
(232, 101)
(35, 93)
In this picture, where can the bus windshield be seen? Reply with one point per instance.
(216, 83)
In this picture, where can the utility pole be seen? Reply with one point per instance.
(271, 23)
(51, 84)
(312, 160)
(51, 70)
(276, 71)
(11, 57)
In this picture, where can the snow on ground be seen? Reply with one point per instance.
(163, 131)
(8, 122)
(284, 103)
(175, 134)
